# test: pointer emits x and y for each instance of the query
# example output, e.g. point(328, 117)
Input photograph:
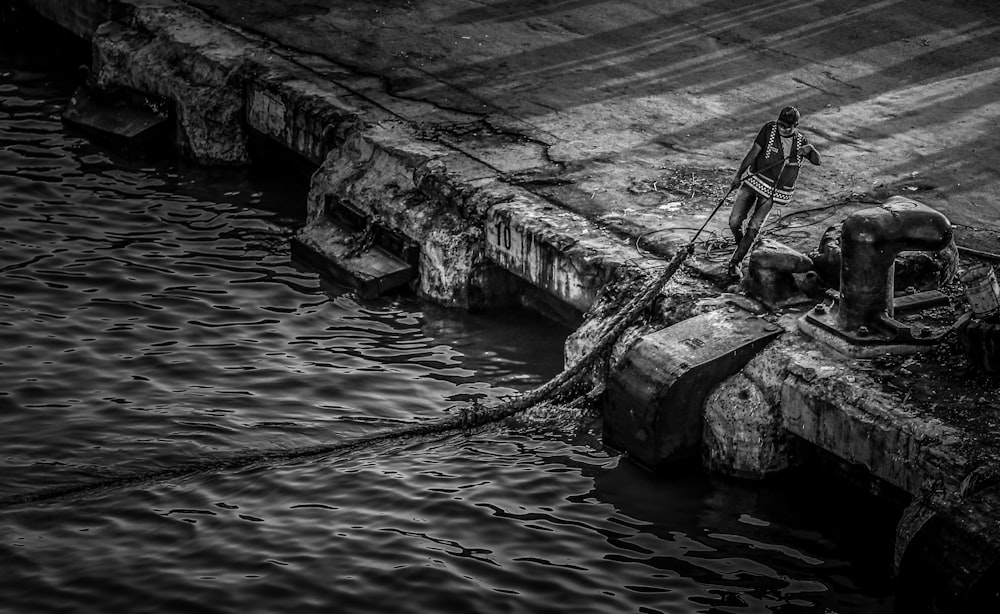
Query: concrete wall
point(223, 84)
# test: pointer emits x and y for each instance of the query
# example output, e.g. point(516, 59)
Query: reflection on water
point(151, 317)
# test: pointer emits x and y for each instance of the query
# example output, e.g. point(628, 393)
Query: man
point(773, 161)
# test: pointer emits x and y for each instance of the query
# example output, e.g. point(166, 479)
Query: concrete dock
point(551, 154)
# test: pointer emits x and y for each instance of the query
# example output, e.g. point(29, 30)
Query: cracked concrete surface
point(901, 96)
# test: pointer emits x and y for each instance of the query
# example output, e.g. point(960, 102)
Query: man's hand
point(809, 152)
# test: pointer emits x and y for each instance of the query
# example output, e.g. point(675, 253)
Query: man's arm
point(747, 161)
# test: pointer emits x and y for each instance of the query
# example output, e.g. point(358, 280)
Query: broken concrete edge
point(223, 83)
point(464, 217)
point(167, 53)
point(868, 426)
point(831, 401)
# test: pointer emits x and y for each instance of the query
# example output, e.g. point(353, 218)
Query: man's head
point(788, 120)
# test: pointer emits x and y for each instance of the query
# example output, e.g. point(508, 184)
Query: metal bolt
point(820, 309)
point(863, 331)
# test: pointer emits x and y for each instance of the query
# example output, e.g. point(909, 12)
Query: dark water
point(150, 317)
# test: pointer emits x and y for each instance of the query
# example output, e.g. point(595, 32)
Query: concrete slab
point(901, 96)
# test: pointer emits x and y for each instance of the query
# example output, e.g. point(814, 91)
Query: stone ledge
point(223, 83)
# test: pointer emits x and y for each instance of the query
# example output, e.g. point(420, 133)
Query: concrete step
point(335, 251)
point(124, 119)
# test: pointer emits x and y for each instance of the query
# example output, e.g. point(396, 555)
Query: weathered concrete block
point(189, 62)
point(381, 172)
point(828, 403)
point(555, 250)
point(306, 117)
point(771, 254)
point(653, 403)
point(744, 435)
point(772, 271)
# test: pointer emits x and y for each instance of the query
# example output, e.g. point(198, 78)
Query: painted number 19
point(503, 235)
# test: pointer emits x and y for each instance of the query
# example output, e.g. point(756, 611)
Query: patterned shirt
point(769, 159)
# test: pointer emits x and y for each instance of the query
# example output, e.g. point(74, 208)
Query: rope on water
point(560, 389)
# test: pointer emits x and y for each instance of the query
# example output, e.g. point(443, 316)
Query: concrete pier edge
point(469, 218)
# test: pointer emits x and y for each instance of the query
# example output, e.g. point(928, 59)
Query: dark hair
point(789, 115)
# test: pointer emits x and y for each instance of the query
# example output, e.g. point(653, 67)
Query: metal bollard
point(870, 241)
point(860, 321)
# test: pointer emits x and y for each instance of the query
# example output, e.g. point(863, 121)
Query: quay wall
point(486, 241)
point(224, 85)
